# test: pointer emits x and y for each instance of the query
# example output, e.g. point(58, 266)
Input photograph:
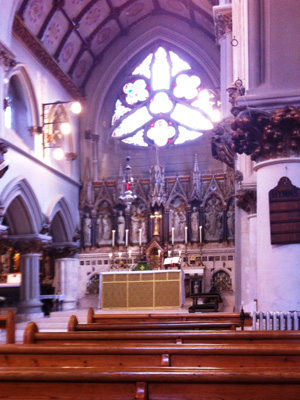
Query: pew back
point(7, 322)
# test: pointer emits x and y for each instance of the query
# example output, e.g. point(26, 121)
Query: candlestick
point(113, 238)
point(173, 235)
point(126, 237)
point(140, 236)
point(185, 234)
point(200, 233)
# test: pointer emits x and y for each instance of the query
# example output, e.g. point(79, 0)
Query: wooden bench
point(149, 383)
point(7, 322)
point(153, 355)
point(73, 325)
point(32, 335)
point(241, 319)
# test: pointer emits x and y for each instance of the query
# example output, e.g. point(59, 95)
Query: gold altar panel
point(115, 295)
point(167, 294)
point(144, 290)
point(140, 293)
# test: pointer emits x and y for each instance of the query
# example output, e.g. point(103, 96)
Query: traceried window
point(162, 102)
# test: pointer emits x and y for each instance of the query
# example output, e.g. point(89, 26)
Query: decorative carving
point(87, 231)
point(223, 25)
point(3, 163)
point(196, 179)
point(30, 246)
point(69, 251)
point(221, 144)
point(7, 58)
point(235, 90)
point(246, 200)
point(71, 156)
point(264, 136)
point(213, 219)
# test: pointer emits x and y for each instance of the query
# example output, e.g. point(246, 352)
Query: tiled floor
point(58, 320)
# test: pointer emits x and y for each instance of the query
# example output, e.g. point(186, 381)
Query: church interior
point(149, 163)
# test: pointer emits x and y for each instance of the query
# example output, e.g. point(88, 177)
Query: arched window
point(18, 112)
point(162, 103)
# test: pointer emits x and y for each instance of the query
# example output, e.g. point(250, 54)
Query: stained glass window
point(162, 102)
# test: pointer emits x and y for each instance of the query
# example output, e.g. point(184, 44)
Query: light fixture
point(56, 124)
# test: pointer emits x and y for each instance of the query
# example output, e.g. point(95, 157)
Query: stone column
point(30, 272)
point(271, 139)
point(66, 281)
point(30, 286)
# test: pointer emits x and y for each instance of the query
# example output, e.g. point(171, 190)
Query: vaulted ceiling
point(70, 37)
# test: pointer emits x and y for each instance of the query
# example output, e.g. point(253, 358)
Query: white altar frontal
point(158, 289)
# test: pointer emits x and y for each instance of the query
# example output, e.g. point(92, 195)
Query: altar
point(157, 289)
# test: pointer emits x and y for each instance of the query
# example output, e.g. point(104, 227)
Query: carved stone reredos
point(265, 136)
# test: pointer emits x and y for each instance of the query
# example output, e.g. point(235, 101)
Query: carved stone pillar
point(272, 139)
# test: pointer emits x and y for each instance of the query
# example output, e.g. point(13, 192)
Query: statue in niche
point(106, 226)
point(182, 222)
point(121, 227)
point(176, 219)
point(230, 221)
point(99, 229)
point(138, 221)
point(213, 219)
point(194, 224)
point(87, 230)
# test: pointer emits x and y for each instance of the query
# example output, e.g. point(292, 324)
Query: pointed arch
point(62, 226)
point(21, 207)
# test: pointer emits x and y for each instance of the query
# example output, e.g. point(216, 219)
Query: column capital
point(267, 135)
point(67, 251)
point(33, 244)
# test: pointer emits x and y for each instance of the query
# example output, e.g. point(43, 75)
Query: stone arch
point(62, 226)
point(21, 207)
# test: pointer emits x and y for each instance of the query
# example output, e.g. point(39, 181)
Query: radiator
point(276, 321)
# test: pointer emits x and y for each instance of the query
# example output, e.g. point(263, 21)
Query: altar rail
point(276, 321)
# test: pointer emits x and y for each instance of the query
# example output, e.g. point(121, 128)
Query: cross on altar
point(156, 217)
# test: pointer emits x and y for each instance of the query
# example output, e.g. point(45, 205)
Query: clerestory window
point(162, 102)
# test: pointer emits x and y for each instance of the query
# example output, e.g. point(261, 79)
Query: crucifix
point(156, 217)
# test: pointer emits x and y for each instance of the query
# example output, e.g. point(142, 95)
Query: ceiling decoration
point(70, 37)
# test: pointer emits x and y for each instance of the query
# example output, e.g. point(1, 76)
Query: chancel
point(174, 190)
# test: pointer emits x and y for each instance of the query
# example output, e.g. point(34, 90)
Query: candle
point(113, 238)
point(159, 251)
point(129, 253)
point(110, 255)
point(185, 234)
point(169, 253)
point(126, 237)
point(140, 236)
point(120, 255)
point(179, 253)
point(200, 233)
point(173, 235)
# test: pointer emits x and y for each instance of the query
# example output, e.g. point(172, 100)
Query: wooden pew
point(122, 383)
point(73, 325)
point(7, 322)
point(33, 336)
point(153, 355)
point(241, 319)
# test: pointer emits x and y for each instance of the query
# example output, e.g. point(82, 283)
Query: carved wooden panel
point(284, 202)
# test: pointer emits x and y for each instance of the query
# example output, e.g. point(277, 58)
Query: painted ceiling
point(70, 37)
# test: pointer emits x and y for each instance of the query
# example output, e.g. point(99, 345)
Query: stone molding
point(265, 135)
point(222, 21)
